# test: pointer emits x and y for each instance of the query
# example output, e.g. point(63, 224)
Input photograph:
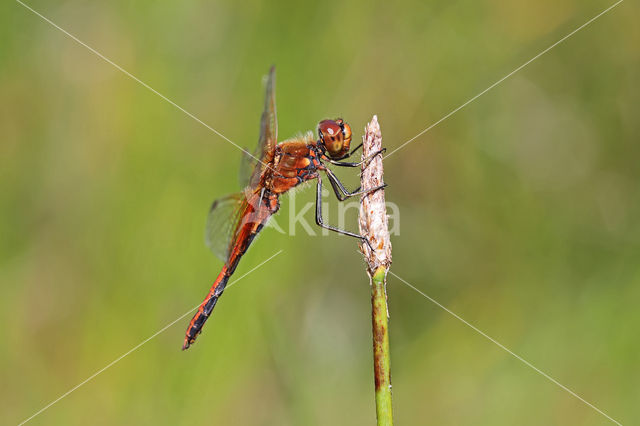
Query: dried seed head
point(373, 212)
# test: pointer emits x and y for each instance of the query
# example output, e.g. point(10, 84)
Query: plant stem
point(377, 254)
point(381, 360)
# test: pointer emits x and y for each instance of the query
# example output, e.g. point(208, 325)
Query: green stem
point(381, 360)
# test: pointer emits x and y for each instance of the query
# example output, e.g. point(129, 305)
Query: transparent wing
point(268, 130)
point(224, 215)
point(269, 121)
point(247, 166)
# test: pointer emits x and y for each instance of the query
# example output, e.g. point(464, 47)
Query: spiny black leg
point(336, 188)
point(355, 149)
point(349, 154)
point(320, 222)
point(343, 164)
point(342, 193)
point(348, 164)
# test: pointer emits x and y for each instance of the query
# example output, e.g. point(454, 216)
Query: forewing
point(268, 129)
point(247, 166)
point(222, 221)
point(269, 121)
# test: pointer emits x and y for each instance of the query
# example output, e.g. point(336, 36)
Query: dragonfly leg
point(321, 223)
point(343, 193)
point(358, 164)
point(349, 154)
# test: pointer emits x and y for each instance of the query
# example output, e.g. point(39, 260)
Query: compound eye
point(336, 136)
point(329, 131)
point(346, 131)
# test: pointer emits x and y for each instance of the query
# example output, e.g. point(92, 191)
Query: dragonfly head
point(335, 135)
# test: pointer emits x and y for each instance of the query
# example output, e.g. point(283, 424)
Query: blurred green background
point(519, 213)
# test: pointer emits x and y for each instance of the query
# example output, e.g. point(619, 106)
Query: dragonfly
point(273, 169)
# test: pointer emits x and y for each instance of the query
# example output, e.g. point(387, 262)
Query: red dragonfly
point(276, 167)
